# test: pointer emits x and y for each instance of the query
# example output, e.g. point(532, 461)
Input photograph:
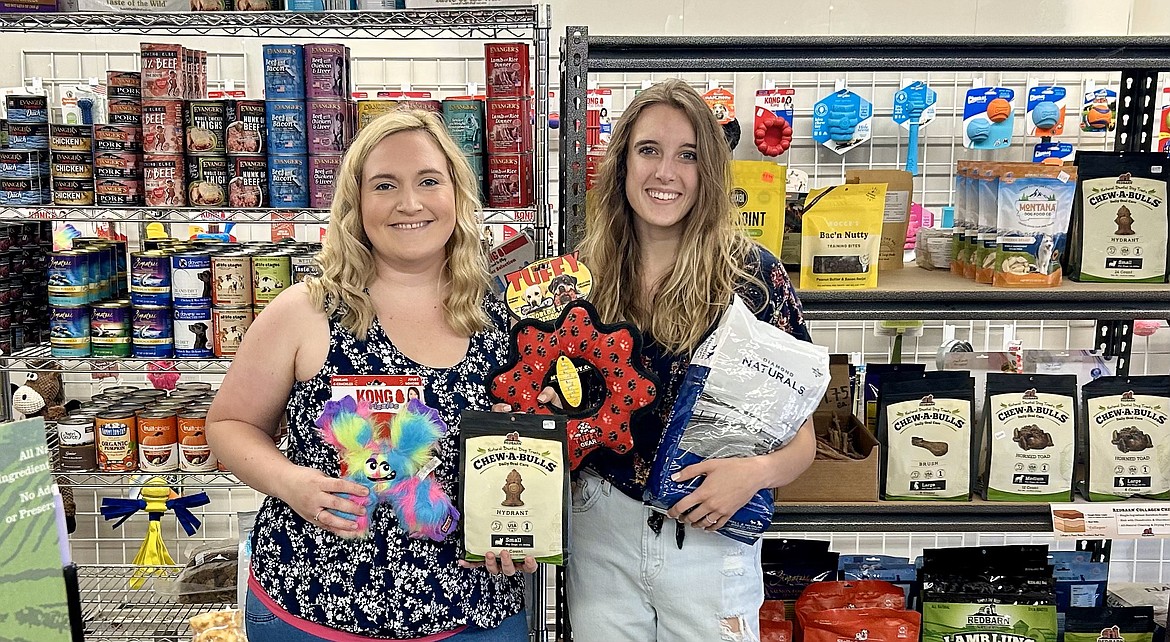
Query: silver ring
point(317, 517)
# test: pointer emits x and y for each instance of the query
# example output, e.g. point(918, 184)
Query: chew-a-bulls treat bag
point(749, 388)
point(1030, 437)
point(1127, 437)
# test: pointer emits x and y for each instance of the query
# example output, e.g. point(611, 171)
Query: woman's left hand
point(730, 483)
point(502, 563)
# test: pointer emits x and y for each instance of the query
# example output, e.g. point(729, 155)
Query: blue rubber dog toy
point(1045, 115)
point(979, 130)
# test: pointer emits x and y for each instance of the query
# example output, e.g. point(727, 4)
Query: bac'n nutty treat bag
point(841, 234)
point(1127, 437)
point(924, 426)
point(1030, 424)
point(515, 485)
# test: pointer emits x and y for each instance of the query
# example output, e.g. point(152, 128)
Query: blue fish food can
point(68, 279)
point(150, 278)
point(288, 181)
point(69, 330)
point(152, 338)
point(109, 329)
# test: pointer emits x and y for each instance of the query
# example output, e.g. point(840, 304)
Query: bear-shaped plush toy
point(43, 395)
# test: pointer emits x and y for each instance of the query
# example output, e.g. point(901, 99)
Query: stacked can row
point(23, 294)
point(509, 116)
point(24, 163)
point(309, 118)
point(127, 429)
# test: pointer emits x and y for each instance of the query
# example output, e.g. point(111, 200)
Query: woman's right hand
point(546, 396)
point(312, 494)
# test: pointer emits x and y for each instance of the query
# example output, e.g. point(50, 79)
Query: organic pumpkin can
point(194, 454)
point(115, 432)
point(158, 441)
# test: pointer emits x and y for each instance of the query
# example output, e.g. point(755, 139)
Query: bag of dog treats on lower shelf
point(925, 428)
point(514, 485)
point(1110, 624)
point(220, 626)
point(1128, 437)
point(1030, 437)
point(870, 624)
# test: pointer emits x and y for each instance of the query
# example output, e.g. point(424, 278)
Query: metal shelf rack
point(113, 612)
point(19, 361)
point(197, 214)
point(947, 517)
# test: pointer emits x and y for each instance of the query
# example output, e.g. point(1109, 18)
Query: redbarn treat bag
point(749, 388)
point(514, 485)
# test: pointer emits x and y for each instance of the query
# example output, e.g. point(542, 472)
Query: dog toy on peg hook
point(772, 126)
point(842, 120)
point(913, 110)
point(156, 497)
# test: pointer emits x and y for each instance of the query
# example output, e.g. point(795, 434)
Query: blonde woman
point(667, 256)
point(403, 290)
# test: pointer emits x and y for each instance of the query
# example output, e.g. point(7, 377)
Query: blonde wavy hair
point(688, 300)
point(346, 258)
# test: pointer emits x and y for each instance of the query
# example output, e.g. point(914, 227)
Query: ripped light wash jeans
point(625, 582)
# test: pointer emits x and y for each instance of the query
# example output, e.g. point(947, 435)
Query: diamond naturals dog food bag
point(1035, 206)
point(1120, 220)
point(514, 485)
point(841, 232)
point(1128, 440)
point(927, 438)
point(1030, 437)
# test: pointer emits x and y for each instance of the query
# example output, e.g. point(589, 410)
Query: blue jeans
point(263, 626)
point(626, 582)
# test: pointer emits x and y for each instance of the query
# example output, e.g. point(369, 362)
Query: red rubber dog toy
point(612, 350)
point(773, 134)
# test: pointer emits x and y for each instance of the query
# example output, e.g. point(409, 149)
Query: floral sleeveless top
point(389, 585)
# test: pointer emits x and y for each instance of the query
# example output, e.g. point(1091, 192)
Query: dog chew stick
point(936, 448)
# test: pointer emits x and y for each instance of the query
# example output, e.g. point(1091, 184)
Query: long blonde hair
point(346, 258)
point(688, 299)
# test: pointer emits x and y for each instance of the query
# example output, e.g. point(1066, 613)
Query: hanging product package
point(749, 388)
point(1035, 207)
point(757, 192)
point(1128, 437)
point(1120, 218)
point(514, 485)
point(841, 235)
point(1030, 437)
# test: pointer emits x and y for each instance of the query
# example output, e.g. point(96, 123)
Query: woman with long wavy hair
point(667, 255)
point(403, 291)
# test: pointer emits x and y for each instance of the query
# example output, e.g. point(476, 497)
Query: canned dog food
point(26, 109)
point(75, 165)
point(28, 135)
point(158, 441)
point(465, 122)
point(150, 279)
point(248, 186)
point(509, 126)
point(71, 138)
point(288, 181)
point(246, 127)
point(205, 122)
point(192, 329)
point(68, 278)
point(152, 338)
point(23, 164)
point(195, 455)
point(207, 181)
point(126, 119)
point(124, 84)
point(326, 71)
point(303, 267)
point(191, 279)
point(163, 74)
point(232, 276)
point(328, 127)
point(230, 324)
point(109, 329)
point(163, 180)
point(506, 64)
point(115, 433)
point(25, 192)
point(369, 110)
point(75, 435)
point(118, 164)
point(270, 276)
point(69, 330)
point(322, 179)
point(73, 191)
point(162, 127)
point(284, 72)
point(509, 182)
point(125, 110)
point(118, 191)
point(117, 138)
point(287, 128)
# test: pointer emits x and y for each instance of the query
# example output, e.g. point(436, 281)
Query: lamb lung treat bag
point(1128, 440)
point(927, 437)
point(515, 484)
point(748, 389)
point(1030, 437)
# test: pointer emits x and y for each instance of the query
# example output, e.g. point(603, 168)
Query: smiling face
point(408, 201)
point(662, 170)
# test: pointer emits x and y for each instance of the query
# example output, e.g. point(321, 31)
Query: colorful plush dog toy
point(395, 467)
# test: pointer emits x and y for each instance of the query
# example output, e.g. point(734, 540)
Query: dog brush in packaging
point(772, 127)
point(1046, 111)
point(842, 120)
point(987, 118)
point(914, 109)
point(1097, 112)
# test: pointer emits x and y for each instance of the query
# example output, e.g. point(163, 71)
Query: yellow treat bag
point(841, 237)
point(757, 192)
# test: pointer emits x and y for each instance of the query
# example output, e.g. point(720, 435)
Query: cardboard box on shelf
point(831, 480)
